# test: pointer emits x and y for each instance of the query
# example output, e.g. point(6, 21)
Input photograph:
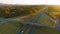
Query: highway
point(58, 24)
point(31, 31)
point(21, 31)
point(33, 21)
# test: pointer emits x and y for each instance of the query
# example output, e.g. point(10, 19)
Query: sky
point(20, 1)
point(30, 1)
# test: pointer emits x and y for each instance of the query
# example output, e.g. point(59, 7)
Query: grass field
point(10, 28)
point(46, 30)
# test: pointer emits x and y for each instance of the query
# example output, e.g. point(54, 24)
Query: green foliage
point(19, 10)
point(25, 12)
